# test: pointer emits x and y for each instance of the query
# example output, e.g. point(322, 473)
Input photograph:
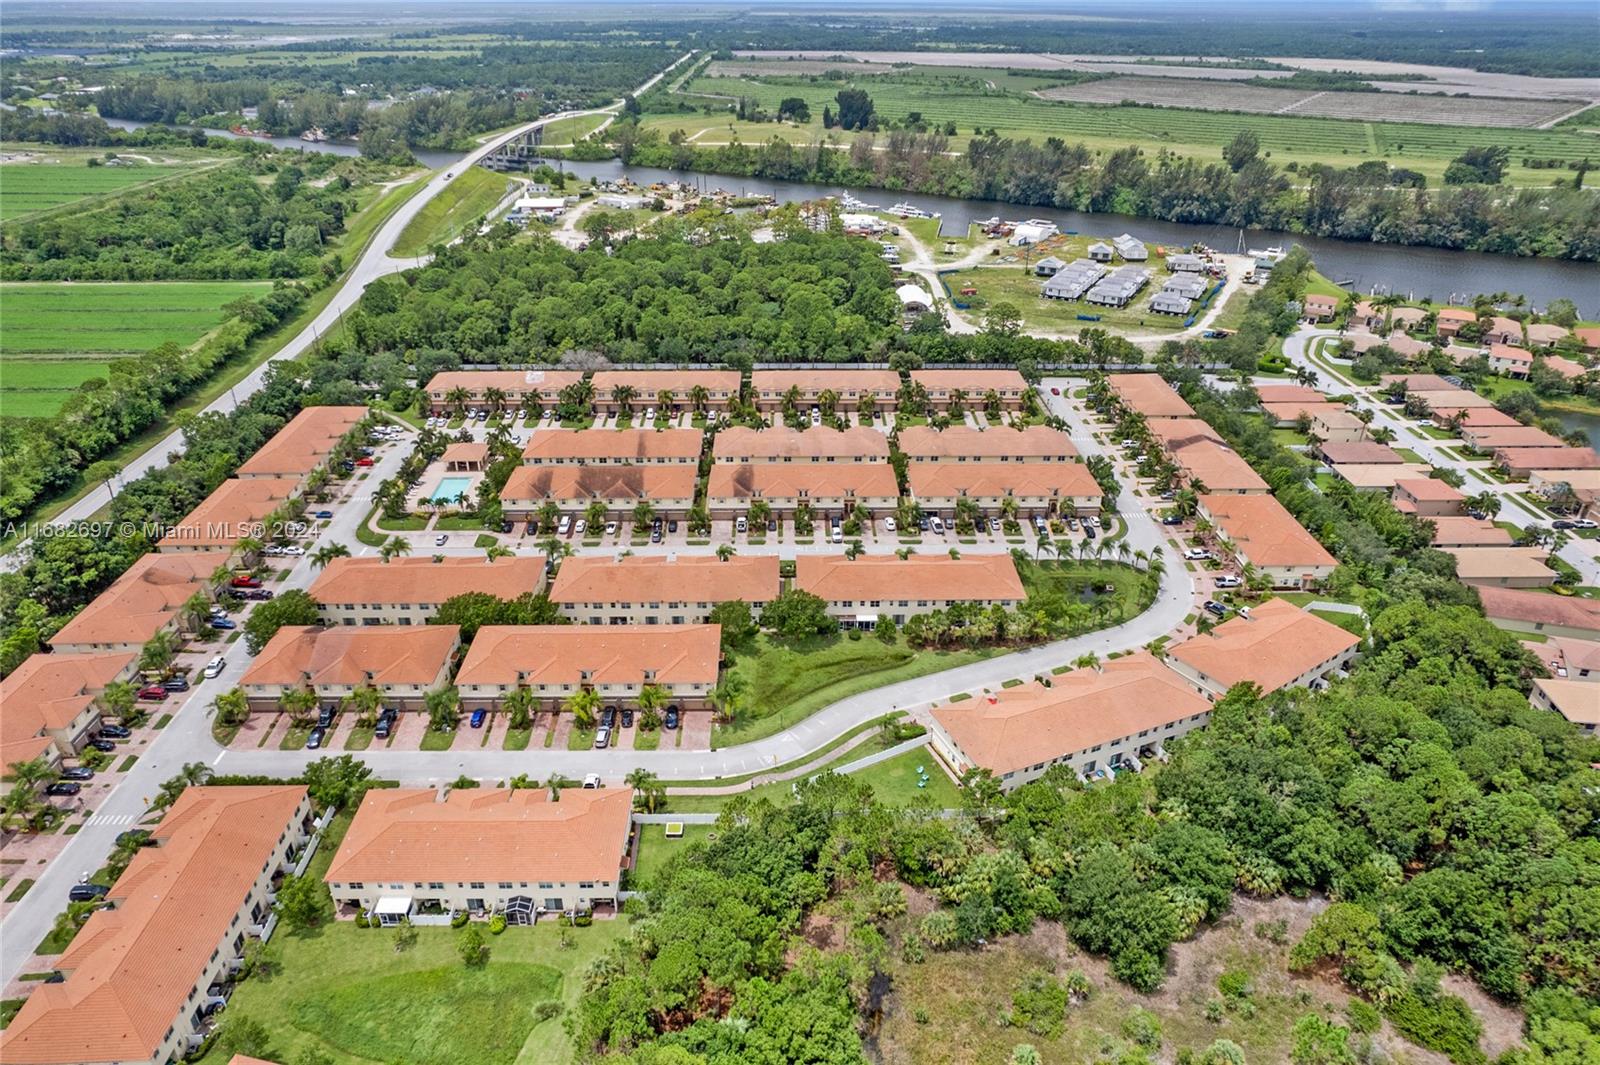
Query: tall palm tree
point(584, 704)
point(495, 551)
point(697, 398)
point(158, 651)
point(652, 700)
point(327, 553)
point(643, 513)
point(623, 396)
point(298, 704)
point(121, 700)
point(394, 547)
point(594, 514)
point(729, 696)
point(457, 398)
point(364, 702)
point(518, 705)
point(648, 794)
point(665, 400)
point(725, 552)
point(495, 399)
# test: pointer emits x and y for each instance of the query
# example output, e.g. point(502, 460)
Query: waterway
point(1443, 275)
point(1588, 423)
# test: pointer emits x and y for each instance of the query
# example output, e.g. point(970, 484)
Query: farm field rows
point(971, 105)
point(56, 336)
point(52, 177)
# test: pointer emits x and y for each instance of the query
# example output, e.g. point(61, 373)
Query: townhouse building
point(615, 661)
point(517, 387)
point(403, 663)
point(862, 591)
point(660, 589)
point(52, 703)
point(1277, 646)
point(409, 591)
point(148, 598)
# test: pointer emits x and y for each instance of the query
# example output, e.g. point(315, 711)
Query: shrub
point(549, 1009)
point(362, 922)
point(1362, 1016)
point(497, 924)
point(458, 920)
point(583, 920)
point(1446, 1024)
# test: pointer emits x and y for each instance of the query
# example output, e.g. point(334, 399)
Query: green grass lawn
point(1012, 284)
point(655, 848)
point(462, 203)
point(788, 680)
point(345, 992)
point(55, 177)
point(581, 739)
point(1352, 623)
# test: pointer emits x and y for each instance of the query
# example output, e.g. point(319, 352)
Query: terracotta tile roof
point(649, 383)
point(1289, 394)
point(1589, 336)
point(1468, 532)
point(130, 970)
point(511, 382)
point(374, 655)
point(1361, 451)
point(1288, 412)
point(1456, 314)
point(1576, 700)
point(1515, 604)
point(844, 382)
point(1513, 436)
point(921, 442)
point(576, 484)
point(816, 444)
point(1490, 563)
point(1276, 645)
point(1016, 728)
point(614, 445)
point(240, 1059)
point(1264, 532)
point(1574, 654)
point(1511, 354)
point(1484, 416)
point(975, 383)
point(920, 577)
point(781, 480)
point(302, 445)
point(1337, 419)
point(1501, 324)
point(1417, 382)
point(422, 580)
point(1179, 432)
point(234, 511)
point(1547, 458)
point(1382, 474)
point(657, 578)
point(1150, 395)
point(49, 692)
point(142, 600)
point(1565, 367)
point(598, 654)
point(1429, 490)
point(1545, 333)
point(465, 452)
point(1319, 304)
point(982, 480)
point(1217, 467)
point(406, 835)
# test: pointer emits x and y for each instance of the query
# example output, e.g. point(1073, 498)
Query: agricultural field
point(966, 98)
point(35, 179)
point(1361, 106)
point(56, 336)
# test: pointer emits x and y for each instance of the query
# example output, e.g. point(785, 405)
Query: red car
point(245, 582)
point(363, 462)
point(153, 693)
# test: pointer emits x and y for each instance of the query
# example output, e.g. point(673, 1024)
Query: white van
point(592, 780)
point(215, 666)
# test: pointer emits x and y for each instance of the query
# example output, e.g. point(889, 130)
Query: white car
point(291, 549)
point(215, 666)
point(1585, 523)
point(838, 534)
point(888, 525)
point(740, 524)
point(1195, 554)
point(1228, 581)
point(580, 527)
point(938, 525)
point(611, 527)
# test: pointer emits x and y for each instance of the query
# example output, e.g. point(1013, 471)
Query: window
point(476, 885)
point(504, 885)
point(356, 885)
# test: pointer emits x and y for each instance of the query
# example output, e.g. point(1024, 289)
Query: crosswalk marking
point(112, 819)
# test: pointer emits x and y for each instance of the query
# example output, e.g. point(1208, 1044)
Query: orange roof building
point(669, 489)
point(408, 591)
point(1217, 468)
point(1089, 720)
point(145, 600)
point(1266, 536)
point(861, 591)
point(516, 385)
point(817, 444)
point(51, 703)
point(1038, 488)
point(137, 973)
point(1277, 646)
point(1289, 394)
point(1521, 461)
point(1462, 531)
point(785, 486)
point(1285, 414)
point(617, 661)
point(515, 852)
point(303, 444)
point(963, 443)
point(237, 510)
point(850, 386)
point(1150, 395)
point(1361, 452)
point(600, 447)
point(1427, 497)
point(721, 386)
point(404, 662)
point(976, 385)
point(660, 590)
point(1173, 433)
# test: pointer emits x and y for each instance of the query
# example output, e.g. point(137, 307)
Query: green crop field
point(47, 177)
point(971, 104)
point(53, 337)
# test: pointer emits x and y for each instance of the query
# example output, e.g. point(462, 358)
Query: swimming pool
point(449, 488)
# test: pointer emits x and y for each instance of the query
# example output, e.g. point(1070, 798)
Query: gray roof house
point(1101, 252)
point(1168, 303)
point(1073, 280)
point(1131, 248)
point(1047, 266)
point(1185, 263)
point(1117, 288)
point(1185, 286)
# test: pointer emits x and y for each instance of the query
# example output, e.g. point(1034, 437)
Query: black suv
point(63, 787)
point(86, 892)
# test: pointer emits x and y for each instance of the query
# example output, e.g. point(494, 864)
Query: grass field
point(568, 130)
point(971, 104)
point(45, 178)
point(56, 336)
point(463, 202)
point(894, 780)
point(1012, 284)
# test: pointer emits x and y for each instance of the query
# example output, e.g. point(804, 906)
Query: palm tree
point(249, 548)
point(643, 513)
point(195, 610)
point(648, 794)
point(1382, 434)
point(827, 402)
point(652, 698)
point(557, 784)
point(364, 702)
point(549, 516)
point(495, 551)
point(192, 775)
point(298, 704)
point(729, 696)
point(327, 553)
point(697, 398)
point(665, 400)
point(495, 399)
point(868, 405)
point(393, 547)
point(623, 396)
point(760, 513)
point(518, 705)
point(725, 552)
point(231, 707)
point(594, 515)
point(1485, 502)
point(584, 704)
point(120, 698)
point(457, 398)
point(159, 651)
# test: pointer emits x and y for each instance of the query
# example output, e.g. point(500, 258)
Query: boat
point(246, 131)
point(314, 135)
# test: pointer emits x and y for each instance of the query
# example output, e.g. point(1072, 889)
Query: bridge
point(518, 153)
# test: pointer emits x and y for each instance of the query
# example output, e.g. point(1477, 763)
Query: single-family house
point(1502, 567)
point(1426, 497)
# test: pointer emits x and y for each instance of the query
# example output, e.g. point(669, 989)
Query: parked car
point(478, 716)
point(116, 732)
point(611, 528)
point(1088, 531)
point(1196, 554)
point(1585, 523)
point(1216, 608)
point(257, 595)
point(772, 525)
point(564, 524)
point(1172, 519)
point(888, 524)
point(672, 526)
point(363, 461)
point(1228, 580)
point(440, 540)
point(627, 718)
point(63, 787)
point(602, 739)
point(591, 780)
point(923, 523)
point(938, 525)
point(176, 684)
point(325, 716)
point(322, 514)
point(581, 527)
point(1563, 524)
point(671, 720)
point(77, 772)
point(86, 892)
point(215, 666)
point(314, 741)
point(740, 524)
point(223, 623)
point(102, 745)
point(245, 582)
point(838, 534)
point(153, 693)
point(994, 524)
point(385, 725)
point(655, 536)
